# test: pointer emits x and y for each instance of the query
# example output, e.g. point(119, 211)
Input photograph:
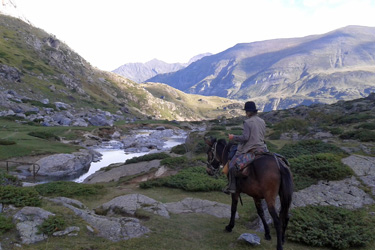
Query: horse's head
point(213, 165)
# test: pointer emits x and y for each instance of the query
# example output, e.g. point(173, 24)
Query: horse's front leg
point(233, 211)
point(260, 211)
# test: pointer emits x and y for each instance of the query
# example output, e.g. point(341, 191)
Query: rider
point(249, 143)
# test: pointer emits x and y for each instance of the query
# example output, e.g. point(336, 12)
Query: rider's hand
point(230, 136)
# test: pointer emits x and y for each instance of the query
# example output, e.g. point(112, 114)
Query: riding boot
point(231, 187)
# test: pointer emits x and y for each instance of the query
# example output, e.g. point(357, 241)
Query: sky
point(111, 33)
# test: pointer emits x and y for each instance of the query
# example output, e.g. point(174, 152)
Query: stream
point(110, 155)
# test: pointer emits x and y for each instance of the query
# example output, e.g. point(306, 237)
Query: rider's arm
point(245, 134)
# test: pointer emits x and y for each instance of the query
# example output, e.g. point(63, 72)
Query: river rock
point(119, 170)
point(27, 221)
point(65, 165)
point(129, 204)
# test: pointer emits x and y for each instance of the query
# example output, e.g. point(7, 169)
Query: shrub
point(192, 179)
point(7, 142)
point(51, 225)
point(369, 126)
point(308, 169)
point(336, 131)
point(44, 135)
point(291, 124)
point(217, 127)
point(308, 147)
point(329, 226)
point(175, 162)
point(5, 224)
point(353, 118)
point(362, 135)
point(19, 196)
point(179, 149)
point(69, 189)
point(275, 135)
point(201, 147)
point(148, 157)
point(7, 179)
point(271, 147)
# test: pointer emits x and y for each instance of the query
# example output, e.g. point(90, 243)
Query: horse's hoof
point(228, 229)
point(267, 237)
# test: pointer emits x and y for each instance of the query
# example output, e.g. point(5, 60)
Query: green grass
point(25, 144)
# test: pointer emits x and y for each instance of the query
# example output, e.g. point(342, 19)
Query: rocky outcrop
point(66, 166)
point(27, 221)
point(118, 170)
point(129, 204)
point(346, 193)
point(9, 73)
point(111, 228)
point(52, 114)
point(193, 205)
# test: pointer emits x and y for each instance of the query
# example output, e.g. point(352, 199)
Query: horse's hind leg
point(260, 211)
point(277, 224)
point(233, 211)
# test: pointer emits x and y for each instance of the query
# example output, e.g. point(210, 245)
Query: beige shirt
point(253, 134)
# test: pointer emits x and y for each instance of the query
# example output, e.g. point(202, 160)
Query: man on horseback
point(250, 143)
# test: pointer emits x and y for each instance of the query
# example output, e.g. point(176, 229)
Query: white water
point(110, 156)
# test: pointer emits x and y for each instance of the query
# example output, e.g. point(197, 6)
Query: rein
point(216, 171)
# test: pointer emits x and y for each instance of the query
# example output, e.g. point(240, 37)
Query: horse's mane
point(222, 142)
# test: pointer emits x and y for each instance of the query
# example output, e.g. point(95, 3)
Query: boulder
point(111, 228)
point(193, 205)
point(27, 221)
point(129, 204)
point(345, 193)
point(65, 165)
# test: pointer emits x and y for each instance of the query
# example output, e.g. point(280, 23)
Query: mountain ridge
point(283, 73)
point(139, 72)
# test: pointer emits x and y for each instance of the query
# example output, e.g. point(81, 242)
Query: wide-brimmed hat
point(250, 106)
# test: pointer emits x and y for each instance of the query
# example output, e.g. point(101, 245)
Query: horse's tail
point(285, 193)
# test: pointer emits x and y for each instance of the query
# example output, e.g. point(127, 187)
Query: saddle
point(281, 160)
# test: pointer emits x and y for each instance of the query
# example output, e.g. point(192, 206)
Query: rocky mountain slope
point(139, 72)
point(284, 73)
point(38, 70)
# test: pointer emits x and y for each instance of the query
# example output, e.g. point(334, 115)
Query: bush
point(7, 142)
point(217, 127)
point(19, 196)
point(5, 224)
point(192, 179)
point(44, 135)
point(179, 149)
point(309, 169)
point(362, 135)
point(7, 179)
point(69, 189)
point(369, 126)
point(51, 224)
point(353, 118)
point(291, 124)
point(308, 147)
point(180, 162)
point(330, 226)
point(336, 131)
point(148, 157)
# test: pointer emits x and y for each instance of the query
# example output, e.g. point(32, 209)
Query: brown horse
point(266, 179)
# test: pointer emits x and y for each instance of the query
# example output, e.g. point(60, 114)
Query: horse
point(267, 178)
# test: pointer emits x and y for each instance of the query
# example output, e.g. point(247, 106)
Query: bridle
point(214, 163)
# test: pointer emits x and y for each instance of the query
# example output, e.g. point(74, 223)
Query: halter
point(215, 171)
